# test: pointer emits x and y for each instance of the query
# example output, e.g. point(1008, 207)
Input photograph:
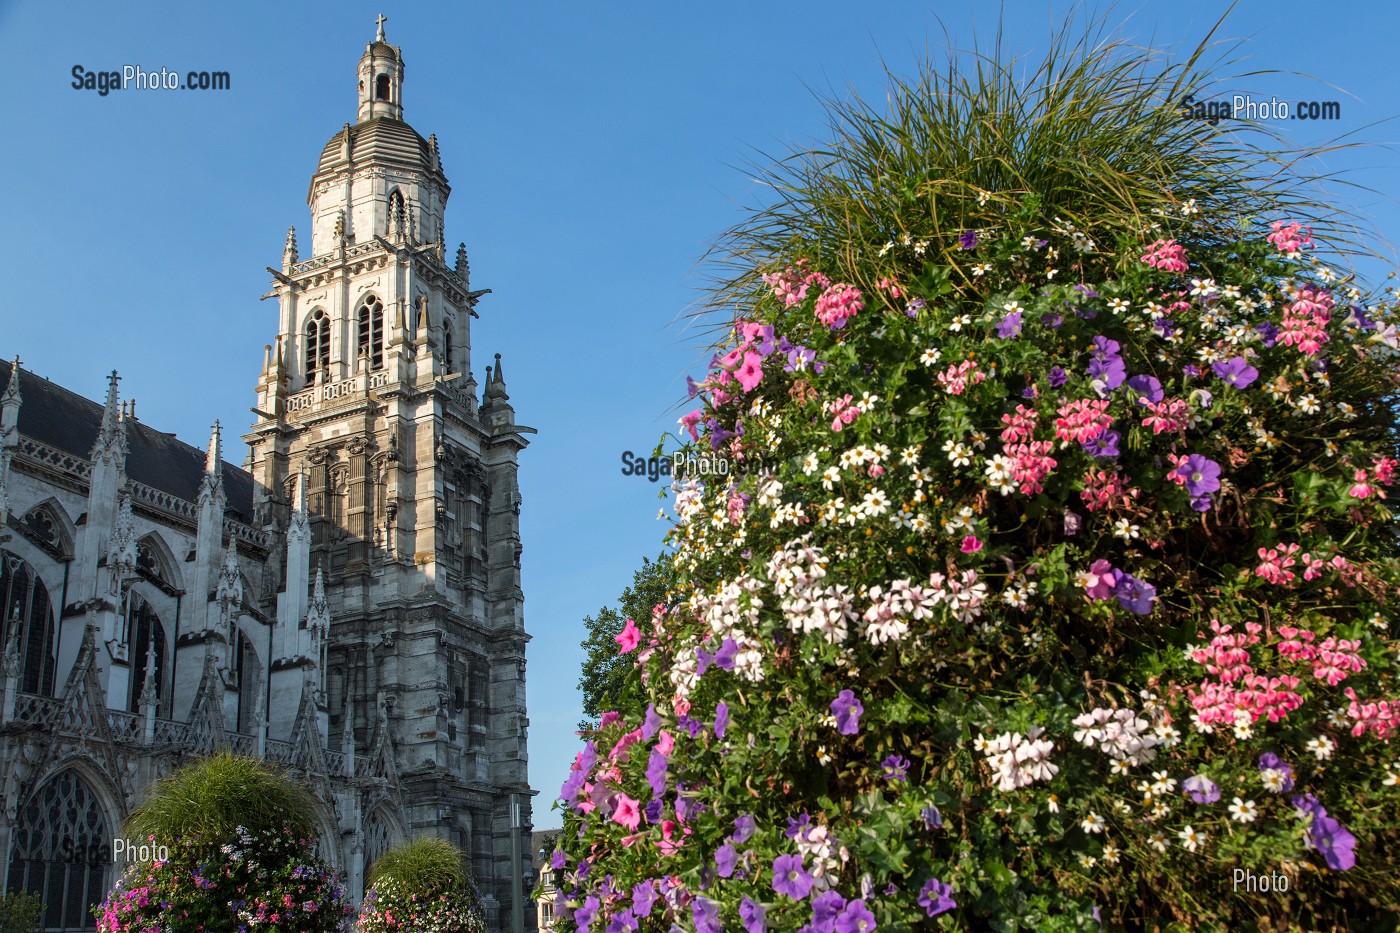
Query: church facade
point(347, 604)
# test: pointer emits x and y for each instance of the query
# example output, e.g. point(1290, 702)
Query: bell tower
point(384, 473)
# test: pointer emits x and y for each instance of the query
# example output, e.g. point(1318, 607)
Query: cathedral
point(347, 604)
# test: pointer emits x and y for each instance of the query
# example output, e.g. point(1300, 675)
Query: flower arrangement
point(263, 880)
point(422, 886)
point(1064, 587)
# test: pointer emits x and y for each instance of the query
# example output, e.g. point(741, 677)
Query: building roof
point(382, 140)
point(53, 415)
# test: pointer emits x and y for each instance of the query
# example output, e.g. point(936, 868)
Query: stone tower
point(387, 476)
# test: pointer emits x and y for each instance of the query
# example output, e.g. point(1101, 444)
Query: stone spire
point(289, 251)
point(12, 396)
point(111, 437)
point(9, 438)
point(213, 484)
point(121, 552)
point(464, 268)
point(229, 595)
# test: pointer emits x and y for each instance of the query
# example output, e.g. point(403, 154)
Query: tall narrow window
point(24, 602)
point(318, 348)
point(381, 87)
point(447, 345)
point(372, 332)
point(145, 628)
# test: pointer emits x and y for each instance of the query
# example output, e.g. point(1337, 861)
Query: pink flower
point(1166, 254)
point(1100, 580)
point(690, 421)
point(1287, 236)
point(627, 813)
point(1082, 420)
point(1274, 564)
point(750, 372)
point(970, 545)
point(838, 304)
point(629, 637)
point(844, 411)
point(1361, 489)
point(665, 743)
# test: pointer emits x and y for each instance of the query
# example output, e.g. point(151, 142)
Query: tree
point(1063, 593)
point(21, 912)
point(606, 674)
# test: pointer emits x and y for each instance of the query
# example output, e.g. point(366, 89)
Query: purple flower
point(583, 917)
point(743, 829)
point(968, 240)
point(691, 387)
point(1202, 475)
point(1236, 372)
point(1009, 326)
point(1201, 789)
point(1105, 349)
point(847, 710)
point(706, 913)
point(826, 906)
point(1164, 328)
point(1134, 595)
point(721, 719)
point(896, 768)
point(856, 918)
point(651, 724)
point(656, 773)
point(914, 307)
point(725, 860)
point(1105, 445)
point(797, 827)
point(1052, 320)
point(1358, 318)
point(724, 657)
point(1058, 377)
point(652, 811)
point(1148, 388)
point(1271, 762)
point(936, 897)
point(752, 915)
point(1111, 371)
point(558, 860)
point(622, 922)
point(790, 878)
point(1269, 332)
point(931, 817)
point(1334, 842)
point(569, 791)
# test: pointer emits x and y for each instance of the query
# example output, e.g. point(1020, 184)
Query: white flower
point(867, 401)
point(1190, 839)
point(1158, 842)
point(1012, 307)
point(909, 455)
point(1308, 405)
point(1093, 823)
point(959, 453)
point(875, 503)
point(1322, 747)
point(809, 463)
point(931, 356)
point(1392, 776)
point(920, 247)
point(829, 477)
point(1125, 529)
point(1243, 811)
point(960, 321)
point(1118, 305)
point(1189, 208)
point(1203, 286)
point(981, 268)
point(1110, 854)
point(889, 245)
point(1161, 784)
point(1029, 242)
point(1274, 780)
point(1053, 803)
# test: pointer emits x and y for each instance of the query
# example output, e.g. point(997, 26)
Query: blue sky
point(594, 151)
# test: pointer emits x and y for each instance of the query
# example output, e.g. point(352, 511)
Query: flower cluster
point(978, 521)
point(390, 906)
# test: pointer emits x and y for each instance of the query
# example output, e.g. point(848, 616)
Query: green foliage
point(606, 675)
point(213, 797)
point(428, 864)
point(21, 912)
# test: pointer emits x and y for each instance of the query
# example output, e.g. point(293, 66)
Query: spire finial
point(380, 20)
point(499, 377)
point(214, 459)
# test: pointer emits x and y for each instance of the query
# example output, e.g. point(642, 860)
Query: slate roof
point(381, 140)
point(53, 415)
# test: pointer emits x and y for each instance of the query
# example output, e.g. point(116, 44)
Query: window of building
point(318, 348)
point(25, 605)
point(381, 87)
point(62, 850)
point(371, 320)
point(144, 625)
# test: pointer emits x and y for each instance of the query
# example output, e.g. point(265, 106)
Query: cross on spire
point(380, 20)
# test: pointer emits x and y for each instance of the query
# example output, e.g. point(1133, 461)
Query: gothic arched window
point(318, 348)
point(371, 318)
point(447, 345)
point(61, 851)
point(24, 602)
point(144, 625)
point(381, 87)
